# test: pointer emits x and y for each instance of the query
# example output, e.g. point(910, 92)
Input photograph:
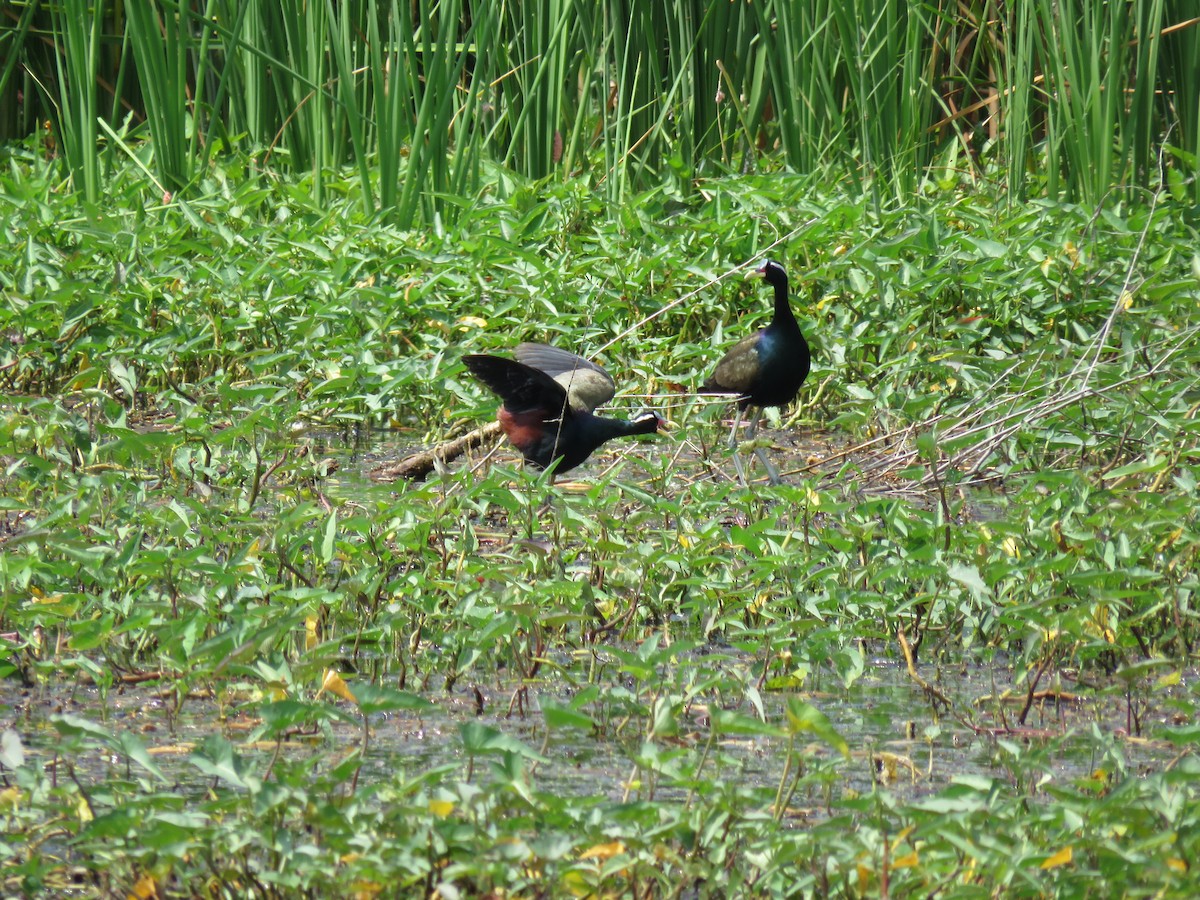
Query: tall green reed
point(77, 25)
point(1059, 97)
point(162, 42)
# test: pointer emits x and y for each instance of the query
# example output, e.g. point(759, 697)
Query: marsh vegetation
point(952, 654)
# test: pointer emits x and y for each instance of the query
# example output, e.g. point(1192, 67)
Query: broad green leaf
point(733, 722)
point(968, 576)
point(376, 698)
point(131, 745)
point(557, 716)
point(478, 738)
point(804, 718)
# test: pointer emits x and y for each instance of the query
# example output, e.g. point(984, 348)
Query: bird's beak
point(665, 425)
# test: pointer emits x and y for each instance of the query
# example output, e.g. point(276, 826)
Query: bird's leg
point(753, 428)
point(737, 420)
point(737, 464)
point(772, 472)
point(733, 446)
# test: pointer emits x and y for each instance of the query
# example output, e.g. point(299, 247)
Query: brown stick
point(930, 691)
point(419, 465)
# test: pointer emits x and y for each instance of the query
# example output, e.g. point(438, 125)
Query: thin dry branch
point(991, 432)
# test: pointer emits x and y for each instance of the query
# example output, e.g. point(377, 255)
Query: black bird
point(764, 369)
point(549, 395)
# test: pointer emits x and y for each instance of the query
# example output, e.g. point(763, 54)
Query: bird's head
point(773, 272)
point(650, 422)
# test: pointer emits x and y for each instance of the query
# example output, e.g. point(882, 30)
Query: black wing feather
point(522, 388)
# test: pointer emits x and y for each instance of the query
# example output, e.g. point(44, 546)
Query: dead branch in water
point(418, 465)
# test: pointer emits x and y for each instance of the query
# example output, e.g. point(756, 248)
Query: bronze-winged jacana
point(549, 395)
point(764, 369)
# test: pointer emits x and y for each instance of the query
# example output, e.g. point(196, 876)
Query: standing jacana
point(549, 395)
point(765, 368)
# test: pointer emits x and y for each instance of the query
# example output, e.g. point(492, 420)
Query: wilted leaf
point(12, 751)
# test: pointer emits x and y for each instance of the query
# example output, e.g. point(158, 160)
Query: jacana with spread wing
point(549, 396)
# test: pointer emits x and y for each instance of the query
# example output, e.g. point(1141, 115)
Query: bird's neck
point(783, 309)
point(606, 429)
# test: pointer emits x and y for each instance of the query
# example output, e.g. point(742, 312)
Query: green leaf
point(216, 759)
point(377, 698)
point(557, 716)
point(328, 544)
point(1182, 736)
point(804, 718)
point(733, 722)
point(478, 738)
point(132, 746)
point(968, 576)
point(74, 726)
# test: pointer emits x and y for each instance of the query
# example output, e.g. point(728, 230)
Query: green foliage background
point(268, 234)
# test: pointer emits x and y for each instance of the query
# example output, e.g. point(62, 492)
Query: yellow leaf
point(311, 637)
point(603, 851)
point(1175, 864)
point(80, 382)
point(1061, 858)
point(146, 888)
point(40, 596)
point(1169, 540)
point(441, 808)
point(335, 684)
point(83, 810)
point(472, 321)
point(1009, 546)
point(10, 798)
point(908, 861)
point(1126, 300)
